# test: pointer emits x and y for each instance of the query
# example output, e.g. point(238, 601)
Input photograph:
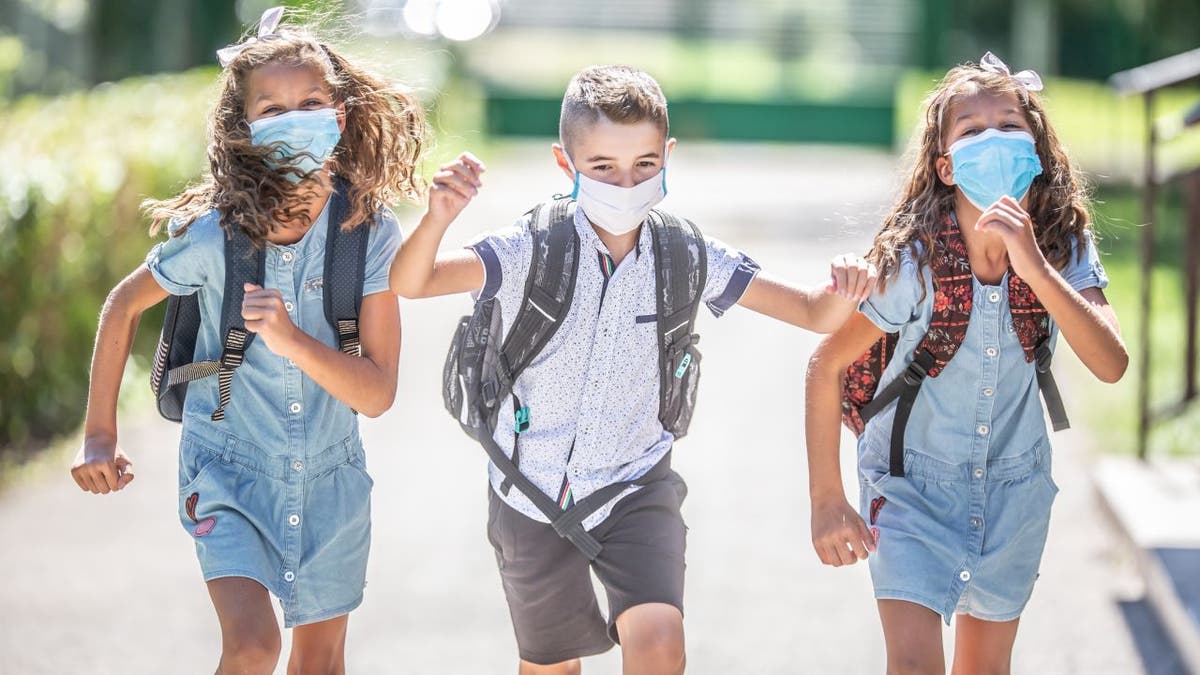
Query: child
point(588, 412)
point(958, 499)
point(276, 493)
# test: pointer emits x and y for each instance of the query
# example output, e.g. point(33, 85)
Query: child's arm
point(839, 534)
point(821, 310)
point(100, 466)
point(1085, 318)
point(418, 271)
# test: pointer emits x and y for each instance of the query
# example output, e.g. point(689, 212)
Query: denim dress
point(278, 491)
point(963, 531)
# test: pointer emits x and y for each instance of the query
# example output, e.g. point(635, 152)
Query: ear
point(945, 170)
point(560, 158)
point(670, 149)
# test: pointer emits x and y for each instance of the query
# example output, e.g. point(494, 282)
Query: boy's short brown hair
point(622, 94)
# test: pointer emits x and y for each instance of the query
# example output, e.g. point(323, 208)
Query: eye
point(647, 164)
point(1012, 125)
point(313, 102)
point(602, 167)
point(970, 131)
point(272, 110)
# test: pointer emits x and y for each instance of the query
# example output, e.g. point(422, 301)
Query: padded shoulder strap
point(345, 269)
point(681, 265)
point(549, 288)
point(953, 295)
point(244, 263)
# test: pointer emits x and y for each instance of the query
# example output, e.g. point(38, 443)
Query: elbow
point(381, 403)
point(408, 291)
point(118, 305)
point(1116, 371)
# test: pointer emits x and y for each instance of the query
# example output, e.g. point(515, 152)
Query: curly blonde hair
point(1058, 198)
point(378, 153)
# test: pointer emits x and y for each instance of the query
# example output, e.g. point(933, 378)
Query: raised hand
point(1012, 224)
point(265, 314)
point(851, 277)
point(454, 186)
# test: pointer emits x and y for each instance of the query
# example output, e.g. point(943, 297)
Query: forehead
point(606, 138)
point(982, 102)
point(277, 79)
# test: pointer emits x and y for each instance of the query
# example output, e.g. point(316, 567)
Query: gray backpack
point(174, 359)
point(480, 368)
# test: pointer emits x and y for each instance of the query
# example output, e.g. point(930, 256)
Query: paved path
point(111, 585)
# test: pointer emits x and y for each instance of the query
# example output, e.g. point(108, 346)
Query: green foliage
point(70, 229)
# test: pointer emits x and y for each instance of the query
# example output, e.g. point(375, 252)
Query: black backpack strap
point(345, 269)
point(1049, 388)
point(244, 263)
point(903, 389)
point(681, 270)
point(549, 288)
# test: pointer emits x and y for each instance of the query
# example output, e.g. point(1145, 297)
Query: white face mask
point(615, 209)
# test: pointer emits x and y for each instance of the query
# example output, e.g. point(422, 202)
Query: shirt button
point(287, 256)
point(295, 407)
point(988, 391)
point(964, 575)
point(976, 523)
point(994, 296)
point(979, 473)
point(290, 576)
point(297, 465)
point(990, 351)
point(983, 430)
point(291, 362)
point(289, 306)
point(293, 520)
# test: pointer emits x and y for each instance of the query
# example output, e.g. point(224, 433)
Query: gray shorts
point(554, 609)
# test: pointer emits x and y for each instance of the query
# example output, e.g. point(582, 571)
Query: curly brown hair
point(1058, 198)
point(378, 153)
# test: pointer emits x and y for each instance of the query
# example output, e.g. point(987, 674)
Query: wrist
point(434, 221)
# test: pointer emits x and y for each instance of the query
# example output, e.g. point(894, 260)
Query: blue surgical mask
point(304, 139)
point(995, 163)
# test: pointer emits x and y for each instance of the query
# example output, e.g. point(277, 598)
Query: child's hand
point(851, 277)
point(454, 185)
point(1012, 224)
point(265, 314)
point(101, 467)
point(839, 534)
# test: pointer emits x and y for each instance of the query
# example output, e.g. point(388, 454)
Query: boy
point(591, 397)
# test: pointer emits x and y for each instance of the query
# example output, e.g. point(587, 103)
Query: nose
point(628, 179)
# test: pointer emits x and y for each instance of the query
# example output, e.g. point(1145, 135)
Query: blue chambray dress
point(278, 491)
point(964, 530)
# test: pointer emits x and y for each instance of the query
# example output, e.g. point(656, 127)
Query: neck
point(618, 245)
point(312, 198)
point(986, 251)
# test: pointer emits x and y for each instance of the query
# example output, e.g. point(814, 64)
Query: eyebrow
point(268, 94)
point(602, 158)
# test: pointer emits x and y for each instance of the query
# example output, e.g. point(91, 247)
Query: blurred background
point(793, 118)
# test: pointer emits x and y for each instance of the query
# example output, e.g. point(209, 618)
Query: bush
point(70, 229)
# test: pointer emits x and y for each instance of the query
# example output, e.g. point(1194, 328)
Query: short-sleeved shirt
point(273, 404)
point(593, 392)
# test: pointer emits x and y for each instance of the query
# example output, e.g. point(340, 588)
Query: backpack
point(480, 369)
point(953, 297)
point(174, 359)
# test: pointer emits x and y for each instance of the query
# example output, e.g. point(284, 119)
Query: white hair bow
point(267, 24)
point(1028, 79)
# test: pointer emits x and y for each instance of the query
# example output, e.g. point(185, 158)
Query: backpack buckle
point(915, 373)
point(232, 358)
point(521, 423)
point(489, 391)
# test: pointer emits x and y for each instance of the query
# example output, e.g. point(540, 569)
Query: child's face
point(972, 115)
point(617, 154)
point(277, 88)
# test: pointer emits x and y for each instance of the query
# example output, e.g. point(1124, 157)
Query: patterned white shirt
point(593, 392)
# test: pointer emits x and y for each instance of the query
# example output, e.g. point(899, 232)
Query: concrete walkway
point(111, 585)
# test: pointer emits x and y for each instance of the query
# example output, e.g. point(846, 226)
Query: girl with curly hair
point(273, 487)
point(989, 250)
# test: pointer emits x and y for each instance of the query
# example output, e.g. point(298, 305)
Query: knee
point(657, 650)
point(250, 654)
point(316, 662)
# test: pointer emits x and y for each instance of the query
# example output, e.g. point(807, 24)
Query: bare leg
point(651, 640)
point(319, 648)
point(983, 647)
point(572, 667)
point(249, 630)
point(913, 635)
